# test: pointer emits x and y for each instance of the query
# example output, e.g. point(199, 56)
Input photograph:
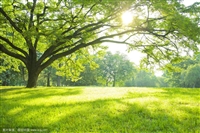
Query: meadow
point(99, 110)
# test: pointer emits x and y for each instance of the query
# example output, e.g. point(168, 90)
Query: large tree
point(59, 28)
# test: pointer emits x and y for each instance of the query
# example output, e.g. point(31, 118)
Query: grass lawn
point(96, 109)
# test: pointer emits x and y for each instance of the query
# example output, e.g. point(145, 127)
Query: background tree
point(192, 76)
point(115, 69)
point(59, 28)
point(144, 78)
point(173, 72)
point(87, 78)
point(46, 76)
point(180, 74)
point(9, 71)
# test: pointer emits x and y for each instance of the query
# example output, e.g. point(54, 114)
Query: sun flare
point(127, 17)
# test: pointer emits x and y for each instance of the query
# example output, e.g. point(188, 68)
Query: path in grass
point(95, 109)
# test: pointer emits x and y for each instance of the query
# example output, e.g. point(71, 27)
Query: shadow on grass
point(14, 113)
point(19, 93)
point(99, 116)
point(117, 116)
point(102, 115)
point(6, 89)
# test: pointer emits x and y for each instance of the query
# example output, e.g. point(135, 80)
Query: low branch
point(12, 54)
point(96, 41)
point(13, 46)
point(46, 54)
point(55, 57)
point(74, 49)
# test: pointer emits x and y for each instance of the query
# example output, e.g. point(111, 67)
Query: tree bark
point(32, 78)
point(33, 69)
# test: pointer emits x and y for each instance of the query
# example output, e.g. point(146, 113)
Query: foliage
point(183, 73)
point(162, 82)
point(93, 109)
point(145, 79)
point(104, 71)
point(39, 33)
point(114, 69)
point(9, 71)
point(71, 67)
point(6, 63)
point(192, 76)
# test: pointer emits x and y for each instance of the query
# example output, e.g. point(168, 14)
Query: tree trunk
point(48, 79)
point(32, 78)
point(114, 80)
point(33, 69)
point(58, 77)
point(23, 76)
point(58, 80)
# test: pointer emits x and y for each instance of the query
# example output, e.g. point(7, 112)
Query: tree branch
point(44, 11)
point(160, 35)
point(54, 57)
point(82, 45)
point(82, 6)
point(90, 9)
point(46, 54)
point(31, 14)
point(13, 24)
point(13, 46)
point(12, 54)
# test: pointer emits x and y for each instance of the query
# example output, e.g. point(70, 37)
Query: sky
point(136, 56)
point(190, 2)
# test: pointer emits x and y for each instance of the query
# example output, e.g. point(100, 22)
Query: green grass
point(96, 109)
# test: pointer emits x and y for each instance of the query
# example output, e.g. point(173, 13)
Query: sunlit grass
point(96, 109)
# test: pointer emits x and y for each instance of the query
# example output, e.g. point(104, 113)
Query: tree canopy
point(39, 32)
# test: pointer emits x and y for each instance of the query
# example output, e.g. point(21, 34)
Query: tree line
point(107, 70)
